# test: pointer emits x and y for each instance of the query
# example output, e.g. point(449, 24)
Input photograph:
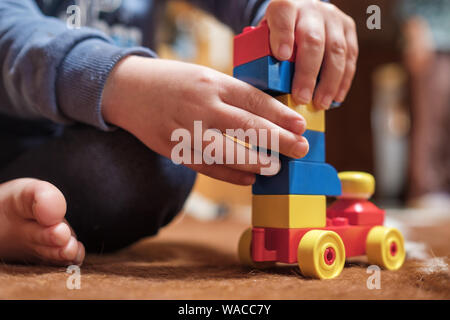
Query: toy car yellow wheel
point(385, 247)
point(321, 254)
point(245, 252)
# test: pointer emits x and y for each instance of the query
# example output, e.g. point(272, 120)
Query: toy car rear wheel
point(385, 247)
point(321, 254)
point(245, 252)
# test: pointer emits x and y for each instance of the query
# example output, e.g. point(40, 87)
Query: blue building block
point(316, 140)
point(316, 153)
point(300, 177)
point(267, 74)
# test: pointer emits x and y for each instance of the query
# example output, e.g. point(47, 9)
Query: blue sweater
point(51, 73)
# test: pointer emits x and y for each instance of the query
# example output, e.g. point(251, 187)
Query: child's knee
point(132, 191)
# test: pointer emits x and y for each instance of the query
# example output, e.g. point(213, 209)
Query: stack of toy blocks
point(296, 196)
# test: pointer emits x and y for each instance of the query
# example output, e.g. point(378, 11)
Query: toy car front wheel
point(321, 254)
point(385, 247)
point(245, 252)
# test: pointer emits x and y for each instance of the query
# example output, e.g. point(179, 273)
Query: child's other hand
point(322, 32)
point(151, 98)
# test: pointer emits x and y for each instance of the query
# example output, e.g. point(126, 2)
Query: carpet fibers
point(197, 260)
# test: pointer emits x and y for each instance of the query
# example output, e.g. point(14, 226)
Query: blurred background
point(395, 123)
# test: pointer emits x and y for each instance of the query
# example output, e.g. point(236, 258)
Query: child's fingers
point(224, 173)
point(333, 66)
point(290, 144)
point(215, 149)
point(352, 57)
point(244, 96)
point(236, 155)
point(310, 35)
point(281, 17)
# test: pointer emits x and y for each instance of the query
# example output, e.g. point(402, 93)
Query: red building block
point(252, 44)
point(357, 211)
point(279, 244)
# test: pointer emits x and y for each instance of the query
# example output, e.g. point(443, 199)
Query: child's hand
point(152, 97)
point(322, 32)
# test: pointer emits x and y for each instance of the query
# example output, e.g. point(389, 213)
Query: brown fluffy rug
point(197, 260)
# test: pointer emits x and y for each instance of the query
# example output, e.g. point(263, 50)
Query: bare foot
point(32, 225)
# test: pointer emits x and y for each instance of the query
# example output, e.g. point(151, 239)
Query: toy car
point(354, 227)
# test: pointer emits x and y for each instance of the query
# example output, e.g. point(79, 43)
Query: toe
point(36, 200)
point(67, 253)
point(49, 205)
point(57, 235)
point(70, 251)
point(80, 255)
point(71, 229)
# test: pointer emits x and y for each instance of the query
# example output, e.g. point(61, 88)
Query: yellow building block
point(357, 185)
point(288, 211)
point(315, 119)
